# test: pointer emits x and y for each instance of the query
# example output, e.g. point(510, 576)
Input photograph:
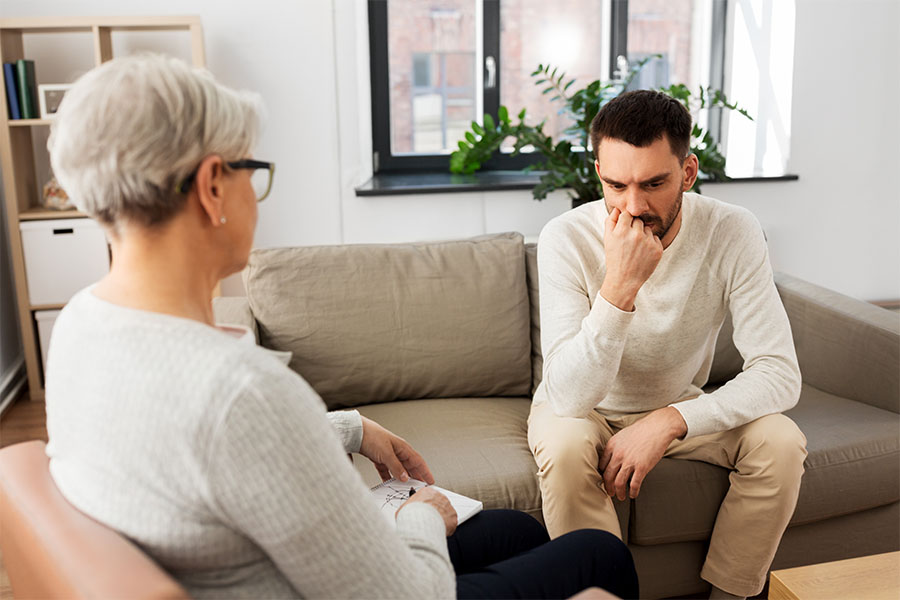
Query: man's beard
point(659, 226)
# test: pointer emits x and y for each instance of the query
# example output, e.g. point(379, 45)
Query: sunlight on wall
point(762, 68)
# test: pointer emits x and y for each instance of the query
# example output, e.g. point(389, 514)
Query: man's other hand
point(632, 253)
point(634, 451)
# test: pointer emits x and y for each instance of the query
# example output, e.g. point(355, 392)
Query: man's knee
point(563, 442)
point(778, 440)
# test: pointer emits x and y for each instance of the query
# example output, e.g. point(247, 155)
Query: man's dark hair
point(640, 118)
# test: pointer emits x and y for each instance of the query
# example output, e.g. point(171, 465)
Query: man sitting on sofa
point(633, 292)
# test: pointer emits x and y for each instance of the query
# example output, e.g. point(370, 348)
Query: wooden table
point(867, 578)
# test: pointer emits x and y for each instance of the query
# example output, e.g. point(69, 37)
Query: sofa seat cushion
point(474, 446)
point(377, 323)
point(852, 466)
point(854, 453)
point(679, 501)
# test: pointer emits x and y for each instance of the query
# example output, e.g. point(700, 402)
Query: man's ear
point(210, 187)
point(690, 170)
point(597, 167)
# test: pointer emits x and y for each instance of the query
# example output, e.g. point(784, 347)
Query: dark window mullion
point(491, 47)
point(618, 34)
point(717, 63)
point(380, 84)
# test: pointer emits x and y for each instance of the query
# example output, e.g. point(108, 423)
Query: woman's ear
point(210, 185)
point(690, 170)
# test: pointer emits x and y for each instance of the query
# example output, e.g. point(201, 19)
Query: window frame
point(384, 161)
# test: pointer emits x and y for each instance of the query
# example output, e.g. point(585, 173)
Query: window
point(436, 66)
point(431, 57)
point(760, 75)
point(564, 33)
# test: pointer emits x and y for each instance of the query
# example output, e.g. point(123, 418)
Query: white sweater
point(223, 464)
point(597, 356)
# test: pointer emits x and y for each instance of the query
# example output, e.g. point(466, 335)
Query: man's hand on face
point(635, 450)
point(632, 253)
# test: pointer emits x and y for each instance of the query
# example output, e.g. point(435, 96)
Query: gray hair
point(130, 130)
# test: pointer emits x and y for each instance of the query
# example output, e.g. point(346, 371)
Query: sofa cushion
point(852, 466)
point(474, 446)
point(375, 323)
point(234, 310)
point(854, 453)
point(678, 502)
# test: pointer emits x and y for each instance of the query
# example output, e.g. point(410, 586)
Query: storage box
point(62, 256)
point(45, 320)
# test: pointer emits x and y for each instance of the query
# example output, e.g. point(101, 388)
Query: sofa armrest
point(845, 346)
point(235, 310)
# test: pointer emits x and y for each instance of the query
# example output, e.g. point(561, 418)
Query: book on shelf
point(391, 494)
point(27, 89)
point(12, 91)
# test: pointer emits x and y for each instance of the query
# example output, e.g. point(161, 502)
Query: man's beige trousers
point(766, 457)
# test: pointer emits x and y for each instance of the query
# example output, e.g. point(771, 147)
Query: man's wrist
point(677, 425)
point(622, 299)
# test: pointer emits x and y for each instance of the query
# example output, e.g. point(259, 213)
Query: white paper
point(391, 494)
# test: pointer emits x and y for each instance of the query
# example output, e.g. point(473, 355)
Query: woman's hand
point(439, 501)
point(392, 455)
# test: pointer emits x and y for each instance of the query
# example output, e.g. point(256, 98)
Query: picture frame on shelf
point(50, 96)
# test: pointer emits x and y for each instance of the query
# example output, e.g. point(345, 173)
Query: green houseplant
point(565, 168)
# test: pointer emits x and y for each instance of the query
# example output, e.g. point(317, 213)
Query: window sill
point(397, 184)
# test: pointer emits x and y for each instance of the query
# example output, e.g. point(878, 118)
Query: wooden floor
point(25, 420)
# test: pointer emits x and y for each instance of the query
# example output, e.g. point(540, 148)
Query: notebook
point(391, 494)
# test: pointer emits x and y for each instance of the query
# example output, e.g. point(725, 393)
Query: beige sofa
point(439, 342)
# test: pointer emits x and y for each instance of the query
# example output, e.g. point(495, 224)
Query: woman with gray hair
point(203, 448)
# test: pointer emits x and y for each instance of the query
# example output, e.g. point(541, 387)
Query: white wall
point(838, 226)
point(283, 50)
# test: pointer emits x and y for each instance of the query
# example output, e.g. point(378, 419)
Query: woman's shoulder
point(164, 353)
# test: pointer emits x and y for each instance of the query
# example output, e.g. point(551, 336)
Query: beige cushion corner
point(381, 322)
point(234, 310)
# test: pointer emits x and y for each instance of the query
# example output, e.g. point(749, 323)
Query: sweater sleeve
point(280, 476)
point(770, 378)
point(347, 424)
point(581, 341)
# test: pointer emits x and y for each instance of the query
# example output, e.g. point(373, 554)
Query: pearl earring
point(222, 220)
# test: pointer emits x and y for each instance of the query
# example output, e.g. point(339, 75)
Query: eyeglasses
point(260, 178)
